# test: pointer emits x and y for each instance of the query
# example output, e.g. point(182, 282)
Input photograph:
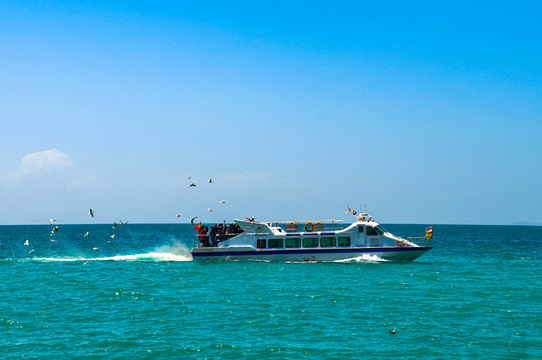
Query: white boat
point(323, 240)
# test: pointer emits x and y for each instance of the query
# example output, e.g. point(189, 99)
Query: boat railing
point(305, 221)
point(419, 240)
point(299, 225)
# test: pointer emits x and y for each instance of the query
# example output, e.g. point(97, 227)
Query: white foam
point(363, 258)
point(55, 259)
point(151, 256)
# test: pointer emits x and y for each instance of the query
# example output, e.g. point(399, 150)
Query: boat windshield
point(379, 230)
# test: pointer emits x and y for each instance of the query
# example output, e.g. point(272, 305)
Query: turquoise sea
point(476, 295)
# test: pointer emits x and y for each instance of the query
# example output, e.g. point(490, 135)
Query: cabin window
point(344, 241)
point(293, 242)
point(327, 242)
point(371, 231)
point(360, 229)
point(275, 243)
point(310, 242)
point(260, 244)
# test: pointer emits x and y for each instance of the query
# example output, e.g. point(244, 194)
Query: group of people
point(217, 233)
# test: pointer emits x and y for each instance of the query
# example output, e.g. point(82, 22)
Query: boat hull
point(305, 255)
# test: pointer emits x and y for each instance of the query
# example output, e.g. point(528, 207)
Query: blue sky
point(427, 112)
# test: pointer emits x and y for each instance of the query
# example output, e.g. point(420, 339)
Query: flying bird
point(222, 202)
point(392, 331)
point(85, 234)
point(209, 209)
point(192, 185)
point(26, 243)
point(31, 251)
point(51, 221)
point(210, 181)
point(112, 236)
point(179, 215)
point(114, 225)
point(192, 220)
point(95, 248)
point(91, 213)
point(55, 228)
point(123, 223)
point(86, 262)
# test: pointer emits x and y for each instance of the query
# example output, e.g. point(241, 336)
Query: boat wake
point(151, 256)
point(176, 252)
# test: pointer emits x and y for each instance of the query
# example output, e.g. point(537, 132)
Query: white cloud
point(40, 163)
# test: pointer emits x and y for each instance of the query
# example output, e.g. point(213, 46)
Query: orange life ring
point(309, 226)
point(318, 226)
point(259, 228)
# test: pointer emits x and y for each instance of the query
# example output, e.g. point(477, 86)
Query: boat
point(308, 241)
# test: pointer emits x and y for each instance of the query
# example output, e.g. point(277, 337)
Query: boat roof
point(251, 224)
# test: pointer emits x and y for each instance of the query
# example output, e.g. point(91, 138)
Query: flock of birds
point(56, 228)
point(192, 185)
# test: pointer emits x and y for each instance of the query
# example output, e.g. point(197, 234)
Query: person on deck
point(212, 236)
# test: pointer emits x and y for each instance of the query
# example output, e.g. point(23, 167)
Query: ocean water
point(476, 295)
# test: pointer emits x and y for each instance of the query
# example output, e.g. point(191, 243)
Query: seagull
point(31, 251)
point(192, 220)
point(222, 202)
point(53, 240)
point(51, 221)
point(85, 234)
point(123, 223)
point(114, 225)
point(210, 181)
point(192, 185)
point(86, 262)
point(95, 248)
point(52, 232)
point(190, 177)
point(208, 209)
point(26, 243)
point(392, 331)
point(179, 215)
point(55, 228)
point(112, 236)
point(91, 213)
